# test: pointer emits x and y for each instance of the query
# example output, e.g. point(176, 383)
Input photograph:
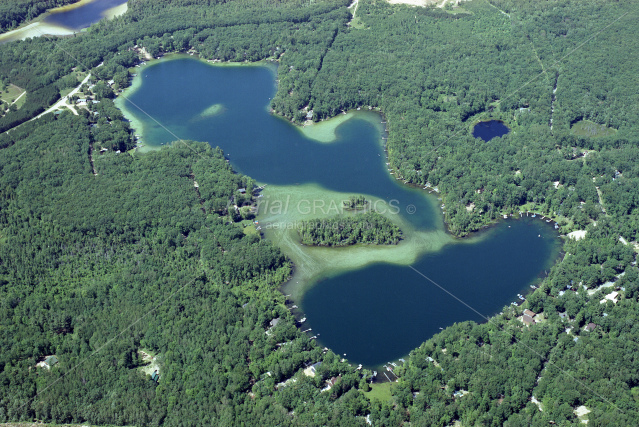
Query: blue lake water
point(490, 129)
point(378, 313)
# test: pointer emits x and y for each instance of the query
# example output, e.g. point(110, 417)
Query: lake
point(365, 301)
point(490, 129)
point(81, 15)
point(68, 19)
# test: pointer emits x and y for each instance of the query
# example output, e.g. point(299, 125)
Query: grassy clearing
point(149, 363)
point(358, 24)
point(65, 92)
point(248, 227)
point(11, 93)
point(380, 391)
point(591, 129)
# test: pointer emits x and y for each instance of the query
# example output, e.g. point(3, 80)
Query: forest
point(368, 228)
point(89, 241)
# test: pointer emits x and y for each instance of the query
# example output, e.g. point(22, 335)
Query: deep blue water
point(263, 146)
point(378, 313)
point(490, 129)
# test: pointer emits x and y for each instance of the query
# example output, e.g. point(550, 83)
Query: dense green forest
point(369, 228)
point(84, 256)
point(16, 12)
point(89, 242)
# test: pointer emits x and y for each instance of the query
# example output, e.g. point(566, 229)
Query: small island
point(370, 228)
point(355, 203)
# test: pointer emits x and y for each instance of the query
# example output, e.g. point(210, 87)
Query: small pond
point(490, 129)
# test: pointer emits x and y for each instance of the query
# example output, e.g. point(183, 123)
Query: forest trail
point(497, 8)
point(553, 98)
point(354, 6)
point(601, 201)
point(95, 173)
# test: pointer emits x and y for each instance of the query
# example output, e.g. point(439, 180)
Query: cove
point(490, 129)
point(67, 19)
point(365, 301)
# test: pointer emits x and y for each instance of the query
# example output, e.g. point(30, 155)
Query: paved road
point(63, 102)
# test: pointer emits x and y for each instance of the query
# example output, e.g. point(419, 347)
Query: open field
point(591, 129)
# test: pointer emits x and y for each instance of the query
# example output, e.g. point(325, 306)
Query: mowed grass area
point(380, 391)
point(591, 129)
point(248, 227)
point(65, 92)
point(11, 93)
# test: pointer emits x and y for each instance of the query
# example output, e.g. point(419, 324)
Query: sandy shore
point(35, 29)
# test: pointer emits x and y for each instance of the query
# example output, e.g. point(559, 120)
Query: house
point(155, 376)
point(310, 371)
point(274, 322)
point(242, 190)
point(527, 320)
point(591, 326)
point(613, 296)
point(530, 313)
point(50, 361)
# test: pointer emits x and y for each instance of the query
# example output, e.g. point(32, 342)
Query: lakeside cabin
point(527, 320)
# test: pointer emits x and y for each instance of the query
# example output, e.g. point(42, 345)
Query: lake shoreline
point(299, 169)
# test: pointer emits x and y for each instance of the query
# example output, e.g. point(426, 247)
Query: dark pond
point(377, 314)
point(490, 129)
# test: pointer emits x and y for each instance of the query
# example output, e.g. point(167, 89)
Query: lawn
point(11, 93)
point(248, 227)
point(380, 391)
